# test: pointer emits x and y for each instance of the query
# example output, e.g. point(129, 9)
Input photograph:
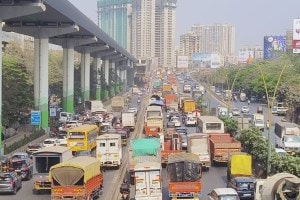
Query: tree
point(231, 125)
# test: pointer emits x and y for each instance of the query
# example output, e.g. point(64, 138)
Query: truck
point(140, 151)
point(258, 121)
point(243, 97)
point(184, 176)
point(166, 89)
point(117, 103)
point(198, 144)
point(239, 174)
point(171, 102)
point(109, 150)
point(148, 185)
point(94, 106)
point(128, 120)
point(221, 145)
point(187, 88)
point(281, 186)
point(78, 178)
point(189, 105)
point(172, 144)
point(157, 84)
point(43, 160)
point(287, 136)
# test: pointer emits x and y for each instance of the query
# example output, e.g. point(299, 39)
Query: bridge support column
point(118, 80)
point(68, 81)
point(85, 76)
point(1, 88)
point(97, 66)
point(41, 47)
point(106, 75)
point(112, 81)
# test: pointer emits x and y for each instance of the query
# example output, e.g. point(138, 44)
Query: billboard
point(273, 46)
point(246, 57)
point(201, 60)
point(296, 36)
point(182, 62)
point(215, 61)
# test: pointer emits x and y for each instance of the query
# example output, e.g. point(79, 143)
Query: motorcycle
point(125, 195)
point(125, 191)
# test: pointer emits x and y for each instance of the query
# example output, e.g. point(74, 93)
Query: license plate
point(246, 195)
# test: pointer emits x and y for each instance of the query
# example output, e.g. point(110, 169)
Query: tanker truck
point(281, 186)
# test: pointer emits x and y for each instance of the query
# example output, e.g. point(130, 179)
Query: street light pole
point(270, 105)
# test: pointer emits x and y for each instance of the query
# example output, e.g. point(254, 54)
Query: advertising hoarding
point(201, 60)
point(296, 36)
point(246, 56)
point(273, 46)
point(182, 62)
point(215, 61)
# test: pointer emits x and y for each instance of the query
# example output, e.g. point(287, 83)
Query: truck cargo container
point(117, 103)
point(148, 184)
point(109, 150)
point(94, 106)
point(184, 176)
point(189, 105)
point(198, 143)
point(221, 145)
point(143, 150)
point(128, 120)
point(171, 102)
point(210, 124)
point(171, 145)
point(78, 178)
point(43, 160)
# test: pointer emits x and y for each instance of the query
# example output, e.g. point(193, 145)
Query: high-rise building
point(188, 44)
point(218, 38)
point(153, 30)
point(114, 18)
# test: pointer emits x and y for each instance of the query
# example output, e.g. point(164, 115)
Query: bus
point(82, 138)
point(210, 124)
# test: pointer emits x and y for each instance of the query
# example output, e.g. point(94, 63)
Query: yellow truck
point(189, 105)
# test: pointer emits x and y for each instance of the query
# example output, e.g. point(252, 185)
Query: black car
point(23, 167)
point(10, 182)
point(173, 114)
point(244, 186)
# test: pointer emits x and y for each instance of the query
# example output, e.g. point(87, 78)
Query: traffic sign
point(35, 118)
point(53, 112)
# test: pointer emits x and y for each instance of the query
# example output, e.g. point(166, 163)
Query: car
point(181, 81)
point(245, 109)
point(176, 121)
point(31, 148)
point(190, 121)
point(10, 182)
point(133, 109)
point(49, 142)
point(218, 93)
point(274, 110)
point(182, 130)
point(223, 193)
point(171, 125)
point(62, 139)
point(23, 167)
point(20, 155)
point(260, 109)
point(235, 112)
point(173, 114)
point(244, 186)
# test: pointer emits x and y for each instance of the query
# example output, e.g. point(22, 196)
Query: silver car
point(10, 182)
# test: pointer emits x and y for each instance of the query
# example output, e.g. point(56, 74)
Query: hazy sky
point(252, 19)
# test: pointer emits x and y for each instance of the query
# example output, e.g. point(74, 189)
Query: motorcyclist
point(125, 187)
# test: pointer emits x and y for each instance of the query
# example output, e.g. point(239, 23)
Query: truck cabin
point(152, 131)
point(210, 124)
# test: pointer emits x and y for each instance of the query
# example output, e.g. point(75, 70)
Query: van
point(64, 117)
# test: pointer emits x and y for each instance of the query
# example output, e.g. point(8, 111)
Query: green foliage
point(23, 142)
point(231, 125)
point(288, 164)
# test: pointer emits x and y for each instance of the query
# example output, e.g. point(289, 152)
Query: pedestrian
point(248, 101)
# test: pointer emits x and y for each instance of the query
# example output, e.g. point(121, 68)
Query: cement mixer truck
point(281, 186)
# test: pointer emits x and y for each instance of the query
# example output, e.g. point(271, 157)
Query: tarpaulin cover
point(241, 165)
point(145, 146)
point(73, 170)
point(184, 167)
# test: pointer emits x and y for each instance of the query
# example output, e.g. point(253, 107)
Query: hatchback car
point(23, 167)
point(33, 148)
point(223, 193)
point(176, 121)
point(235, 112)
point(245, 109)
point(190, 121)
point(10, 182)
point(50, 142)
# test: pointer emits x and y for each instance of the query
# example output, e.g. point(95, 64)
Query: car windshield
point(228, 197)
point(293, 138)
point(245, 185)
point(18, 164)
point(48, 142)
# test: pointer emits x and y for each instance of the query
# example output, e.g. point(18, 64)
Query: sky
point(252, 19)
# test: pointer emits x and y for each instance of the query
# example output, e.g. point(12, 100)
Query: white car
point(245, 109)
point(191, 121)
point(50, 142)
point(176, 121)
point(235, 112)
point(223, 193)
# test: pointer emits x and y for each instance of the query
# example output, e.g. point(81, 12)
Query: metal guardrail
point(136, 134)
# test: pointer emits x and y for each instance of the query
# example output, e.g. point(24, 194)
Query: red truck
point(184, 176)
point(172, 145)
point(78, 178)
point(221, 145)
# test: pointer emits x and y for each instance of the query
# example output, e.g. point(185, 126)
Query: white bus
point(210, 124)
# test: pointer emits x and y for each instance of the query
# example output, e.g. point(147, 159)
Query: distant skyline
point(252, 19)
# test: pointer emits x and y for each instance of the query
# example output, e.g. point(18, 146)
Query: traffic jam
point(147, 132)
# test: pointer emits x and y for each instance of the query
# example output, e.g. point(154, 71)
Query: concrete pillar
point(68, 80)
point(41, 47)
point(85, 76)
point(106, 70)
point(97, 65)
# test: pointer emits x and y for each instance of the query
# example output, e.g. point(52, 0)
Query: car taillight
point(12, 183)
